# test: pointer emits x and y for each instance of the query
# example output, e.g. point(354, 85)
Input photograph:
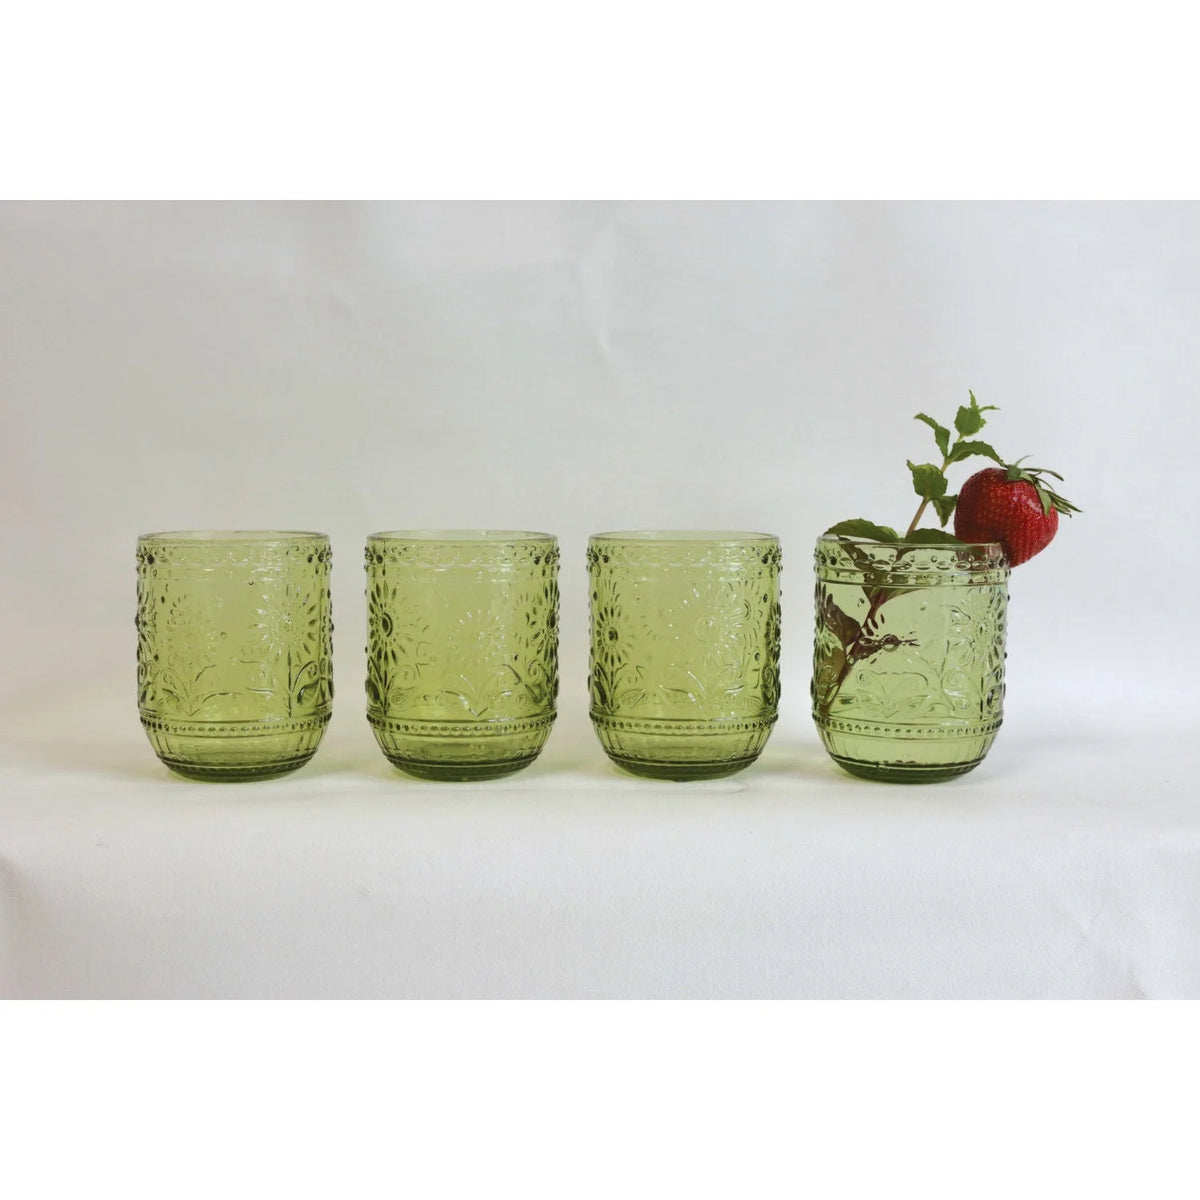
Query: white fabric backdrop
point(573, 367)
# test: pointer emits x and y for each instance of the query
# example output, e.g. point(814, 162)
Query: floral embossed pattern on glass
point(684, 649)
point(234, 650)
point(908, 665)
point(462, 656)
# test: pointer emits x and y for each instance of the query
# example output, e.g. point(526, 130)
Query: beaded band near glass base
point(224, 751)
point(681, 750)
point(887, 752)
point(461, 751)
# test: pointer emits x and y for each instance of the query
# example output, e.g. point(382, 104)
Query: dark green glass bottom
point(461, 751)
point(903, 772)
point(235, 751)
point(459, 772)
point(916, 753)
point(683, 772)
point(235, 774)
point(661, 748)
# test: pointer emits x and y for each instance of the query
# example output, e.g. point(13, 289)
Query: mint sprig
point(930, 483)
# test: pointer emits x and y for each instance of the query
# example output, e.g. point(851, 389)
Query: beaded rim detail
point(908, 564)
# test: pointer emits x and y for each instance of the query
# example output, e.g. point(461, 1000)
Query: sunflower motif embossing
point(400, 651)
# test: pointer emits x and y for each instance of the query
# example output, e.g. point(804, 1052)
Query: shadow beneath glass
point(116, 759)
point(126, 759)
point(793, 760)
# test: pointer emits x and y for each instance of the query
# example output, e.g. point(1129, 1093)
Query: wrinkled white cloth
point(1067, 865)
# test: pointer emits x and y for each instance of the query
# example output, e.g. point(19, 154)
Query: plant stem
point(912, 526)
point(876, 596)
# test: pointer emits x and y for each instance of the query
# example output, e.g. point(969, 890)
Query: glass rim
point(258, 537)
point(462, 537)
point(689, 537)
point(837, 538)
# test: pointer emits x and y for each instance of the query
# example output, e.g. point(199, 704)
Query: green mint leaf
point(928, 482)
point(970, 418)
point(967, 449)
point(940, 433)
point(969, 421)
point(944, 505)
point(933, 537)
point(862, 528)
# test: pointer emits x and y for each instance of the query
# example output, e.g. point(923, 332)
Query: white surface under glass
point(1067, 865)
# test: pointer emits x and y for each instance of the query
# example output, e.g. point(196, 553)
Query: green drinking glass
point(234, 650)
point(462, 654)
point(684, 649)
point(908, 661)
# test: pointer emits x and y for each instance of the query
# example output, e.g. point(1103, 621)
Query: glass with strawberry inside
point(908, 660)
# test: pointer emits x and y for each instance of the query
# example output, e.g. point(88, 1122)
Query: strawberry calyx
point(1047, 496)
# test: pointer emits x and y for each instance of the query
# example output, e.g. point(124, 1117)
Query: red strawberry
point(1013, 506)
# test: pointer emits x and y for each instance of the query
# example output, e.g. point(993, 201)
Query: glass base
point(904, 772)
point(461, 751)
point(458, 772)
point(683, 772)
point(234, 751)
point(235, 773)
point(658, 748)
point(906, 754)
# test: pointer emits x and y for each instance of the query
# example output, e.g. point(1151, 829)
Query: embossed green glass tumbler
point(462, 654)
point(685, 649)
point(234, 650)
point(908, 662)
